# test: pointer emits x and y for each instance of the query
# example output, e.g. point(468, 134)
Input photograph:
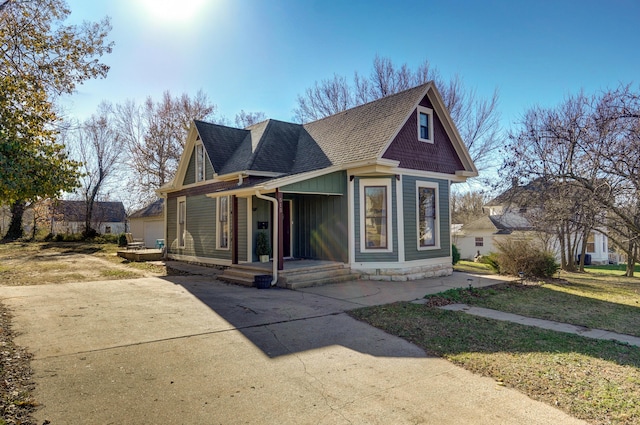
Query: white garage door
point(152, 231)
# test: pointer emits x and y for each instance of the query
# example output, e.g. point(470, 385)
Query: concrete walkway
point(544, 324)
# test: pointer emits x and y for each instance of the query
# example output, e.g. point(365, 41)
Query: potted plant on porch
point(263, 248)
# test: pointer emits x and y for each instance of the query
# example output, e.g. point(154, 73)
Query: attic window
point(425, 124)
point(199, 163)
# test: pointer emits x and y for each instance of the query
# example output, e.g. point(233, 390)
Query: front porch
point(295, 273)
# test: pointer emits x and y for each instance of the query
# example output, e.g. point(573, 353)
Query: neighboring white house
point(148, 223)
point(508, 214)
point(69, 217)
point(477, 237)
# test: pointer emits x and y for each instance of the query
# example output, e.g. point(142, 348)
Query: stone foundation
point(407, 273)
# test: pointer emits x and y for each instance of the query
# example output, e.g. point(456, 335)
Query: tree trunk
point(15, 228)
point(563, 249)
point(583, 249)
point(631, 258)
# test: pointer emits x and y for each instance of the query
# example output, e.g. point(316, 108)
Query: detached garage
point(148, 223)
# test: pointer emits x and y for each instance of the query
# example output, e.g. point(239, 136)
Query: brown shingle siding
point(439, 156)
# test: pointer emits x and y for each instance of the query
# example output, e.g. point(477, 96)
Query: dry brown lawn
point(38, 263)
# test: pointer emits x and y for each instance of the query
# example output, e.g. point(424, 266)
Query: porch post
point(280, 236)
point(234, 229)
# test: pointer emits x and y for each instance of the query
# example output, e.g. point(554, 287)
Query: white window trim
point(376, 182)
point(184, 236)
point(218, 224)
point(200, 158)
point(429, 113)
point(430, 185)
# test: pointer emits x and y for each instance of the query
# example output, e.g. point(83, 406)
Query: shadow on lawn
point(69, 248)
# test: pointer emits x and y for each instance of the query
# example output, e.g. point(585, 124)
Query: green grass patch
point(582, 300)
point(119, 274)
point(598, 381)
point(472, 267)
point(613, 269)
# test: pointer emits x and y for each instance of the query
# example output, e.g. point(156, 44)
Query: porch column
point(280, 236)
point(234, 229)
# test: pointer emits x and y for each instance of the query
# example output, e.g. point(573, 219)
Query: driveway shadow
point(281, 322)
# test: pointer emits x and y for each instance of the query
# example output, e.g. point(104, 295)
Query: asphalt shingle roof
point(154, 209)
point(109, 212)
point(360, 133)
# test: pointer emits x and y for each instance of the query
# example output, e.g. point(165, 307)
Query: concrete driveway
point(189, 350)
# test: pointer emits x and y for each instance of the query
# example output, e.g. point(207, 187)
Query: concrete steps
point(292, 278)
point(240, 276)
point(315, 276)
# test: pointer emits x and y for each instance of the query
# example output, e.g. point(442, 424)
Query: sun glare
point(177, 11)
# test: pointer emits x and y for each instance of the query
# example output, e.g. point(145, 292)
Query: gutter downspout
point(274, 241)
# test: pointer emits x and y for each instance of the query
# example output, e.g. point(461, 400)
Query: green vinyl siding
point(190, 175)
point(366, 257)
point(411, 221)
point(320, 227)
point(334, 183)
point(242, 229)
point(208, 168)
point(200, 240)
point(172, 217)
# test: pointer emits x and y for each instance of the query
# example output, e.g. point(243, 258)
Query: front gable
point(190, 173)
point(439, 156)
point(444, 153)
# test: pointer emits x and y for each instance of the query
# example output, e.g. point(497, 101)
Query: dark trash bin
point(587, 259)
point(262, 281)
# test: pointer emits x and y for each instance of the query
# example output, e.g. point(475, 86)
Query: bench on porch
point(133, 243)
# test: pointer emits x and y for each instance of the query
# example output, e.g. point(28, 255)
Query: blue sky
point(258, 55)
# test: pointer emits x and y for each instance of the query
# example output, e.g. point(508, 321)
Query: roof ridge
point(393, 95)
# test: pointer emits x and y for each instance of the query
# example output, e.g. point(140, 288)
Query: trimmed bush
point(520, 255)
point(122, 240)
point(491, 259)
point(455, 254)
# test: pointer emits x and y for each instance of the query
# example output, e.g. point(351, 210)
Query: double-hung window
point(223, 222)
point(375, 215)
point(591, 242)
point(427, 209)
point(425, 124)
point(199, 163)
point(182, 220)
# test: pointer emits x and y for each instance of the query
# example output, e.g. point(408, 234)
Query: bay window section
point(375, 215)
point(427, 195)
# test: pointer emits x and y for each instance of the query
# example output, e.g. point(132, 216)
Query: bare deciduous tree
point(594, 143)
point(155, 133)
point(245, 119)
point(466, 207)
point(100, 148)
